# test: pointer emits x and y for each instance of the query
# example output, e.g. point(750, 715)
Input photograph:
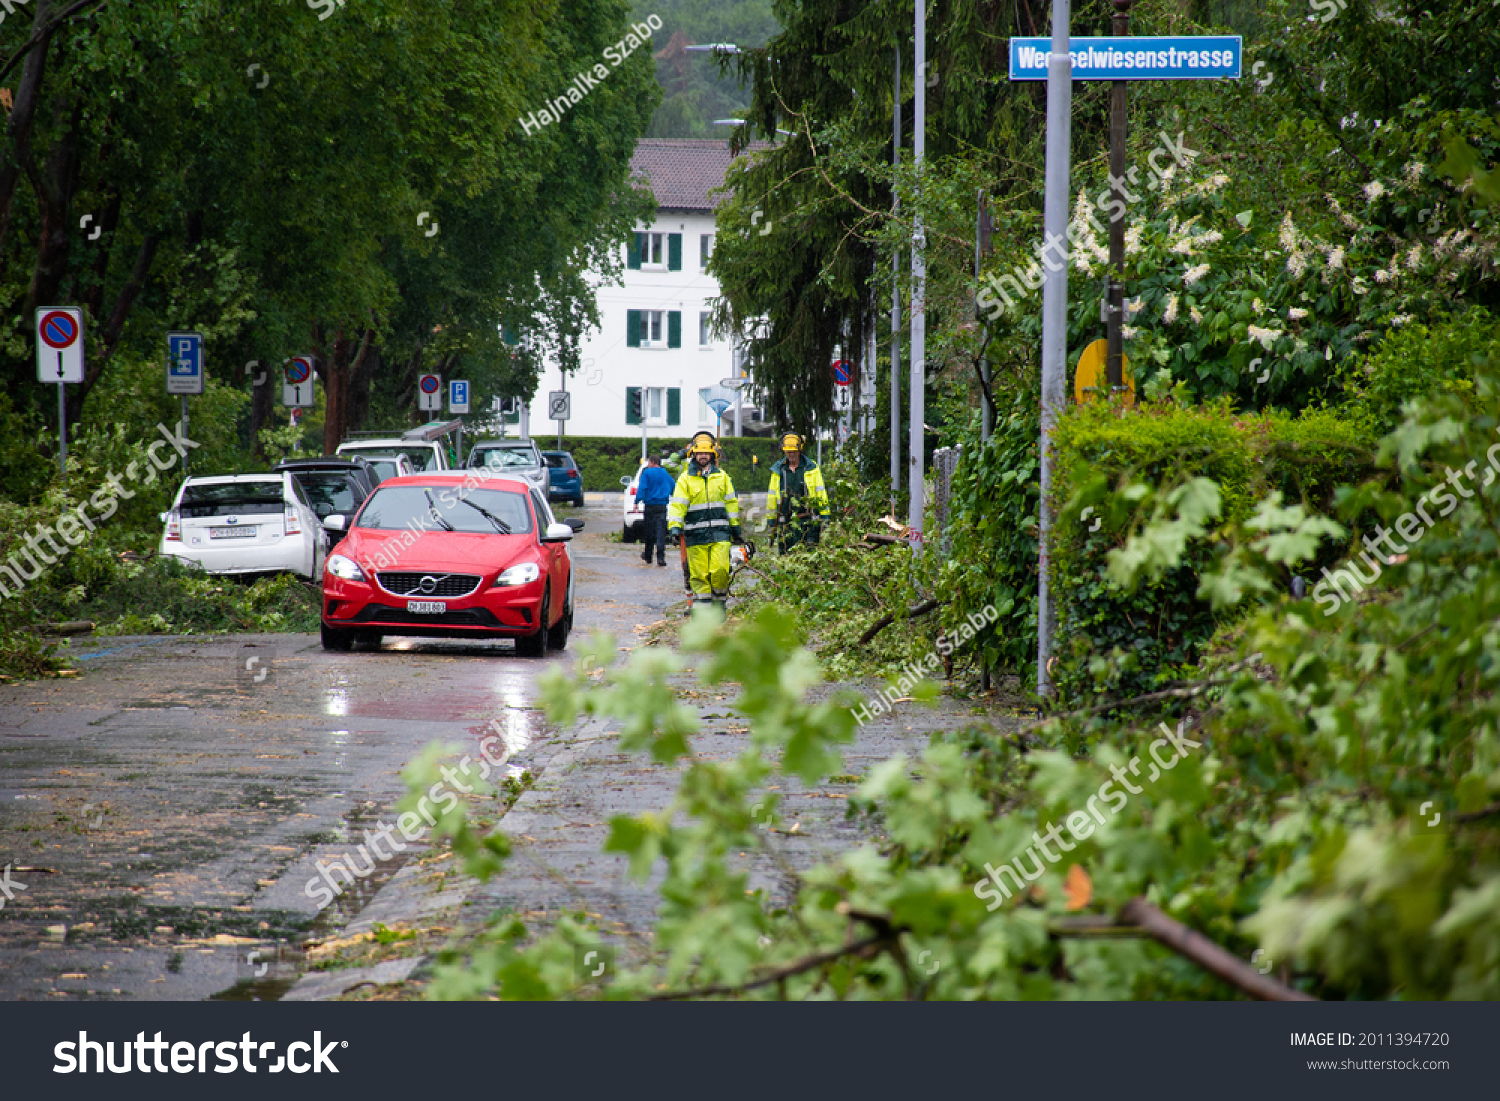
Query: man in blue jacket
point(654, 491)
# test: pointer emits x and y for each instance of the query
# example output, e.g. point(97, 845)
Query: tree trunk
point(261, 398)
point(54, 188)
point(17, 153)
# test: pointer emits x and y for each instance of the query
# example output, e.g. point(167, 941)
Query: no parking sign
point(430, 393)
point(59, 344)
point(298, 388)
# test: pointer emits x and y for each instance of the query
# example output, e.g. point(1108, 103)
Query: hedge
point(1164, 624)
point(604, 460)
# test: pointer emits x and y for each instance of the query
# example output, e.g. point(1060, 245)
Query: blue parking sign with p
point(458, 396)
point(184, 363)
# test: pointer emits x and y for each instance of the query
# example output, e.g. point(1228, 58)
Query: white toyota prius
point(246, 523)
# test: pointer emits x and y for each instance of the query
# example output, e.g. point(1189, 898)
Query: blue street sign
point(1174, 57)
point(184, 363)
point(458, 396)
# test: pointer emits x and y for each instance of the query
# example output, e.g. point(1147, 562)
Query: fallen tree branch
point(884, 540)
point(1093, 925)
point(886, 620)
point(71, 627)
point(1183, 693)
point(1206, 954)
point(796, 967)
point(1474, 815)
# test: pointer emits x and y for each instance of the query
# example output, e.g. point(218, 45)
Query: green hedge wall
point(604, 460)
point(1165, 624)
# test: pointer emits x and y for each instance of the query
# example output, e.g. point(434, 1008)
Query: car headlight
point(524, 574)
point(346, 568)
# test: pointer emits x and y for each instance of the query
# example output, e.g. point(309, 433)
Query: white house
point(654, 344)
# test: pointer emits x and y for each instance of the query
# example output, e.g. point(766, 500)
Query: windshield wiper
point(500, 525)
point(431, 504)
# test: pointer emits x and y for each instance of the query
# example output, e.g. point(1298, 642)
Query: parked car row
point(487, 562)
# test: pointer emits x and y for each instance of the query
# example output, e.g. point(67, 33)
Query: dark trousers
point(654, 532)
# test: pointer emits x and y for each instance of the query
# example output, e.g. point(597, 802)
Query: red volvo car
point(465, 554)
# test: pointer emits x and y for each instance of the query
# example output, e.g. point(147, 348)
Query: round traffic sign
point(59, 330)
point(429, 384)
point(298, 371)
point(842, 375)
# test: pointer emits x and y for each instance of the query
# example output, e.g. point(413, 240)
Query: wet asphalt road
point(168, 796)
point(164, 812)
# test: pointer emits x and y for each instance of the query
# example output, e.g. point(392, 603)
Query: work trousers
point(654, 532)
point(708, 566)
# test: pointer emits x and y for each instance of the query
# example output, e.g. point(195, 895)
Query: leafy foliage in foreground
point(1301, 816)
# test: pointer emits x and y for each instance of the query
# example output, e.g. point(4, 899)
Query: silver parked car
point(518, 458)
point(246, 523)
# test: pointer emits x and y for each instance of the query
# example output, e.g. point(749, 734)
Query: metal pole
point(184, 428)
point(918, 443)
point(896, 295)
point(1054, 308)
point(564, 373)
point(62, 427)
point(981, 244)
point(1114, 362)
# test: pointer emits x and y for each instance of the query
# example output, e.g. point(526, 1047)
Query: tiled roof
point(681, 171)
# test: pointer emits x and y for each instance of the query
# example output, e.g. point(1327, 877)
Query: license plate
point(426, 607)
point(231, 533)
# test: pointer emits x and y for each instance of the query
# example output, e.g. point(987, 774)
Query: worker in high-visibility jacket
point(705, 512)
point(797, 501)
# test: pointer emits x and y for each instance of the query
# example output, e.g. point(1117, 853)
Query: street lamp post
point(915, 488)
point(1054, 311)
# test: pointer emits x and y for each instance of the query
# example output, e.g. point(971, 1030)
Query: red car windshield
point(446, 508)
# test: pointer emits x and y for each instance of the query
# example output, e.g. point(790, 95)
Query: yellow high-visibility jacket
point(704, 507)
point(791, 486)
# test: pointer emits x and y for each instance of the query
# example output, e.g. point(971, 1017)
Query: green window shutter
point(632, 328)
point(633, 252)
point(674, 252)
point(674, 405)
point(674, 329)
point(631, 401)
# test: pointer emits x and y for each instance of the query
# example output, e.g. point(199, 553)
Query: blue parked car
point(563, 476)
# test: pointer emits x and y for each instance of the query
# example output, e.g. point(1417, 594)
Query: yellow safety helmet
point(791, 442)
point(703, 441)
